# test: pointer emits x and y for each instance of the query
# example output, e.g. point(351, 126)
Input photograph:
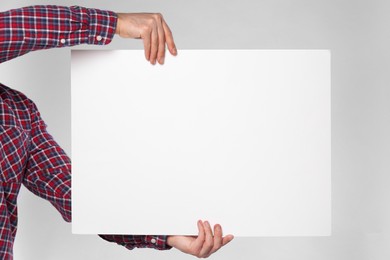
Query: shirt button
point(99, 38)
point(153, 240)
point(63, 41)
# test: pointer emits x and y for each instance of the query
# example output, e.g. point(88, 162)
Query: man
point(29, 154)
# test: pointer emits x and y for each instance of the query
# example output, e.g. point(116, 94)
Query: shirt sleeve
point(48, 175)
point(140, 241)
point(48, 168)
point(48, 26)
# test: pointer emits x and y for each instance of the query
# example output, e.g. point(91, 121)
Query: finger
point(154, 45)
point(147, 43)
point(169, 39)
point(161, 42)
point(227, 239)
point(200, 239)
point(217, 238)
point(209, 240)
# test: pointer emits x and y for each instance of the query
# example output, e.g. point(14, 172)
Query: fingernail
point(162, 60)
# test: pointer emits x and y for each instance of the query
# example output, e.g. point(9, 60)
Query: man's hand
point(204, 244)
point(152, 29)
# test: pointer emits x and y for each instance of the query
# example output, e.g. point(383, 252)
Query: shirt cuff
point(102, 26)
point(139, 241)
point(157, 242)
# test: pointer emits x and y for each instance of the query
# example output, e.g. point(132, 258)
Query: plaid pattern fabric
point(42, 27)
point(28, 153)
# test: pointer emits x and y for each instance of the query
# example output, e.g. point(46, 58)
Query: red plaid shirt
point(28, 153)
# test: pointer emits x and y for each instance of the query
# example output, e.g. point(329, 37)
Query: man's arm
point(43, 27)
point(48, 175)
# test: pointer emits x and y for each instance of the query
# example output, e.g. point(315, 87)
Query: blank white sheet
point(236, 137)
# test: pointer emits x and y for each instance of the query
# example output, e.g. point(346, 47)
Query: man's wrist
point(169, 240)
point(118, 23)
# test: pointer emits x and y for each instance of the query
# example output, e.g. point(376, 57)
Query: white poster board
point(237, 137)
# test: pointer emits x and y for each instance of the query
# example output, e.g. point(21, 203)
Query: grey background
point(357, 34)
